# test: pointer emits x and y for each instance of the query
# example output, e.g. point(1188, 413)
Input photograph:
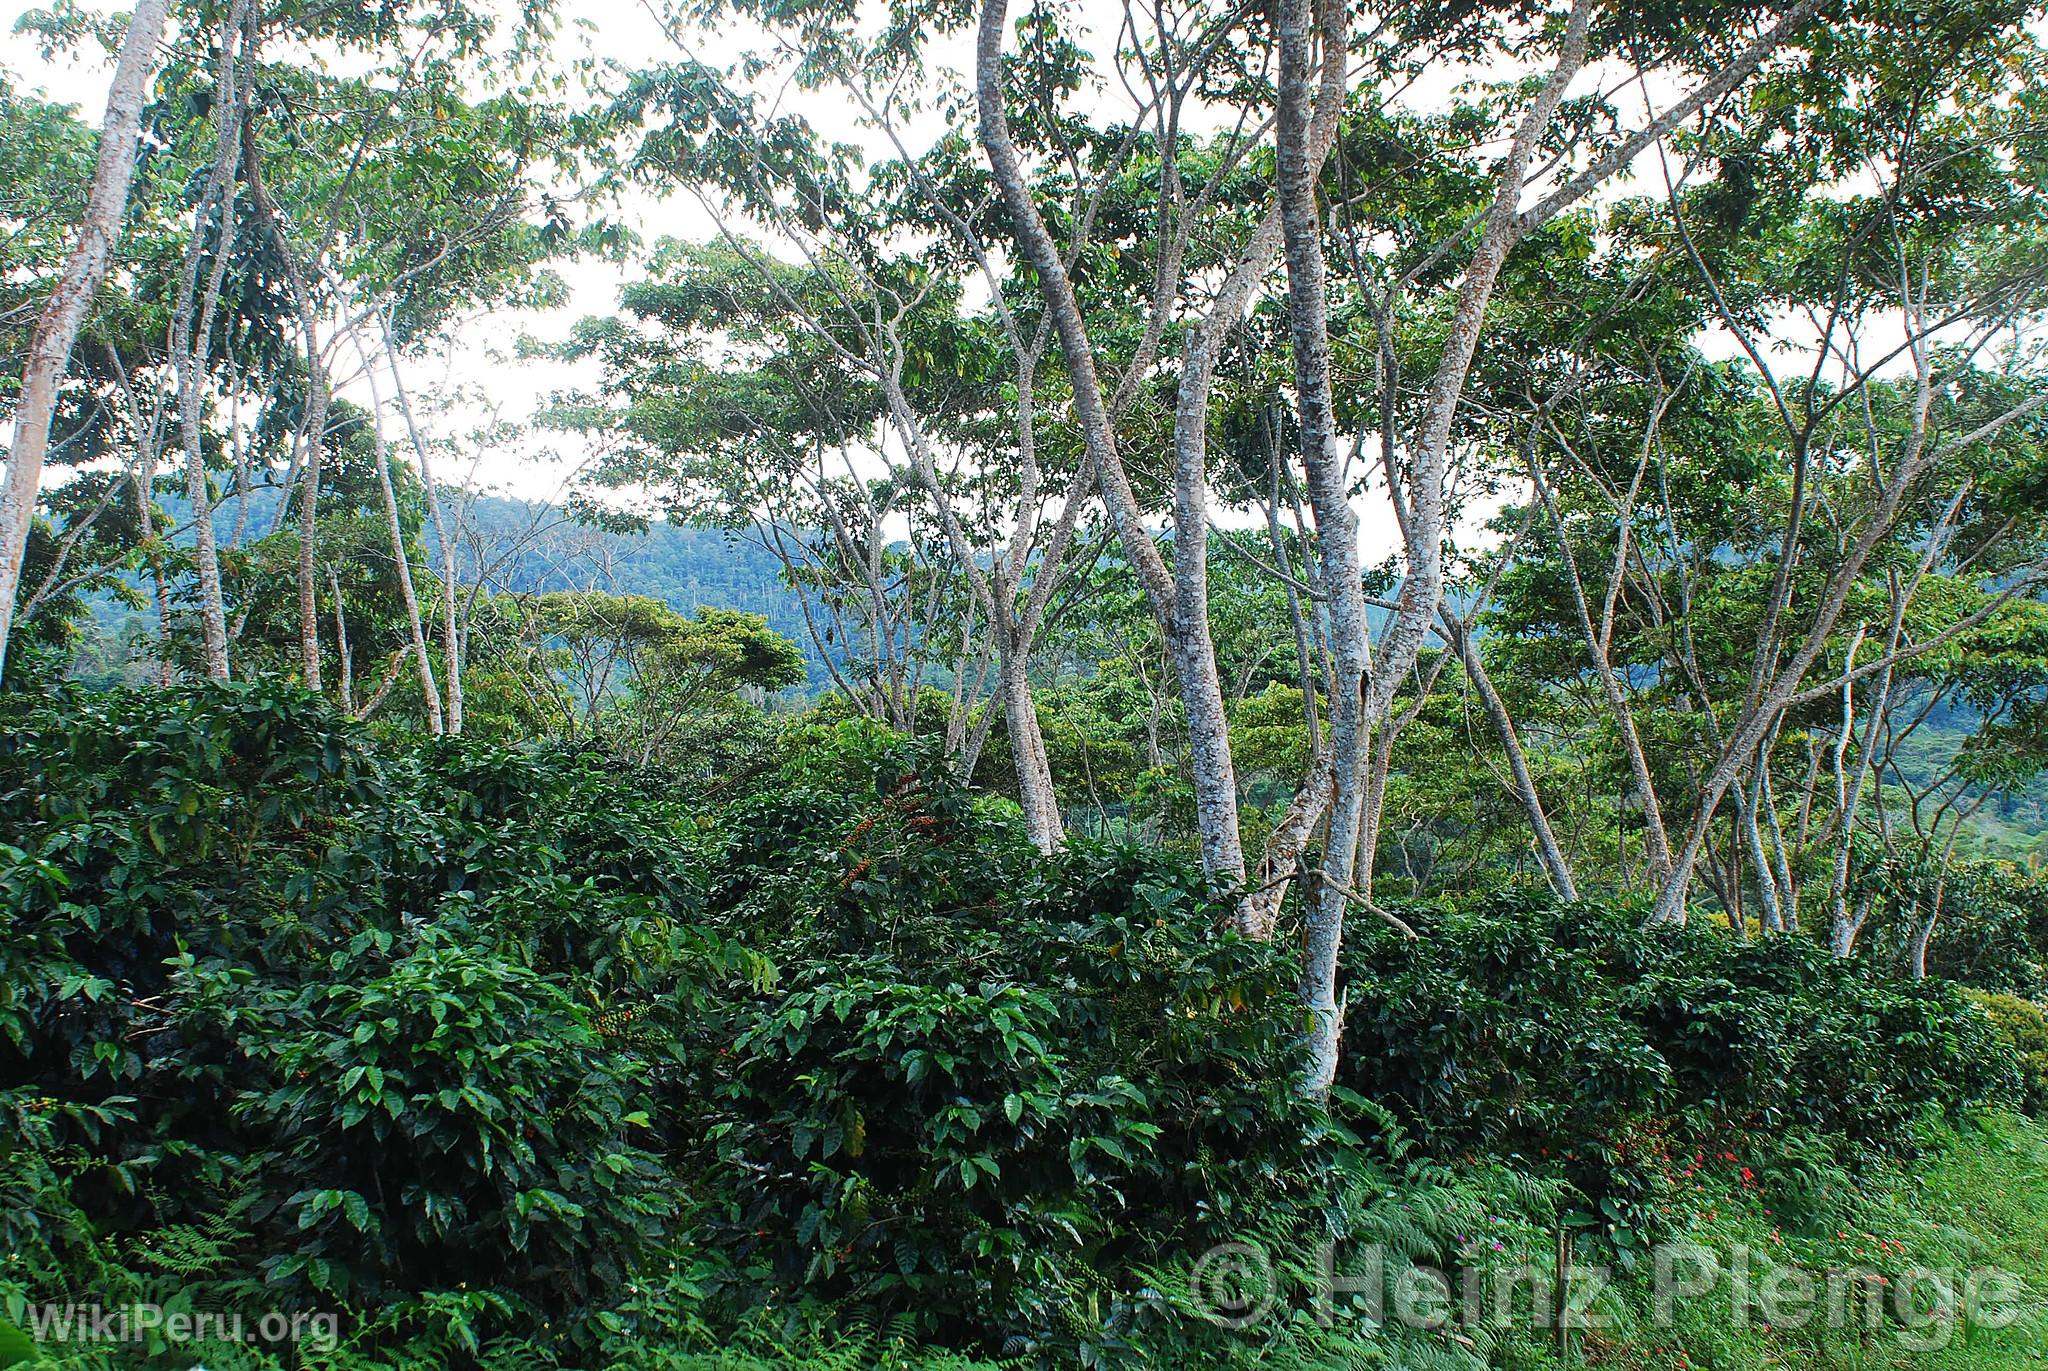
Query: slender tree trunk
point(1770, 913)
point(1373, 811)
point(317, 400)
point(1260, 911)
point(1186, 635)
point(190, 336)
point(401, 560)
point(1849, 794)
point(1916, 950)
point(430, 691)
point(1848, 927)
point(1422, 588)
point(1336, 522)
point(160, 586)
point(451, 648)
point(1547, 849)
point(342, 655)
point(1781, 863)
point(1027, 744)
point(49, 349)
point(1656, 838)
point(1305, 663)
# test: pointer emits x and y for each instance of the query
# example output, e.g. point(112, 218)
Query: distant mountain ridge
point(687, 568)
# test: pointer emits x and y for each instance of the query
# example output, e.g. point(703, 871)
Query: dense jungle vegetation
point(1307, 685)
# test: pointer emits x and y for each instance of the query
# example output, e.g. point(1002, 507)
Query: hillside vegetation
point(512, 1055)
point(1300, 686)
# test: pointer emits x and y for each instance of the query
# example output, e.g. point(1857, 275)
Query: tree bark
point(1187, 635)
point(191, 337)
point(1547, 849)
point(1916, 950)
point(57, 327)
point(1027, 744)
point(451, 648)
point(317, 401)
point(1336, 522)
point(1656, 838)
point(430, 692)
point(343, 657)
point(1781, 691)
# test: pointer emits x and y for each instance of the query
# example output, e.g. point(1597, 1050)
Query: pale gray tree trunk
point(312, 464)
point(430, 691)
point(191, 337)
point(1422, 588)
point(1767, 806)
point(1916, 949)
point(1034, 770)
point(1847, 924)
point(1329, 496)
point(63, 315)
point(343, 656)
point(1547, 849)
point(1656, 838)
point(451, 645)
point(1771, 913)
point(1783, 691)
point(1187, 635)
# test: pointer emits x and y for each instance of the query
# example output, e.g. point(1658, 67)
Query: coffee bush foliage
point(1558, 1031)
point(505, 1038)
point(2025, 1024)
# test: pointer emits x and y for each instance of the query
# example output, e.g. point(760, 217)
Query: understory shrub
point(986, 1087)
point(2026, 1025)
point(1560, 1032)
point(470, 1041)
point(355, 998)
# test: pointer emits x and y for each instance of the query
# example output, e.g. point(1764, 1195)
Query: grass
point(1972, 1209)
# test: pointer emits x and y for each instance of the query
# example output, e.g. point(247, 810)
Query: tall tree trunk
point(1423, 529)
point(1547, 849)
point(1336, 522)
point(1027, 746)
point(401, 560)
point(56, 330)
point(342, 654)
point(451, 649)
point(1656, 837)
point(312, 467)
point(1771, 913)
point(1848, 924)
point(430, 692)
point(1186, 634)
point(191, 336)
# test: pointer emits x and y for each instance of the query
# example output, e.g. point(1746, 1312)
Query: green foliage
point(250, 946)
point(435, 1104)
point(468, 1041)
point(1562, 1033)
point(2026, 1024)
point(1993, 931)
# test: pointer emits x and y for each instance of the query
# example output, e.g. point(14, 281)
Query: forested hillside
point(517, 548)
point(1292, 687)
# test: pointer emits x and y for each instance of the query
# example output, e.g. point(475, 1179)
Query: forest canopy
point(843, 684)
